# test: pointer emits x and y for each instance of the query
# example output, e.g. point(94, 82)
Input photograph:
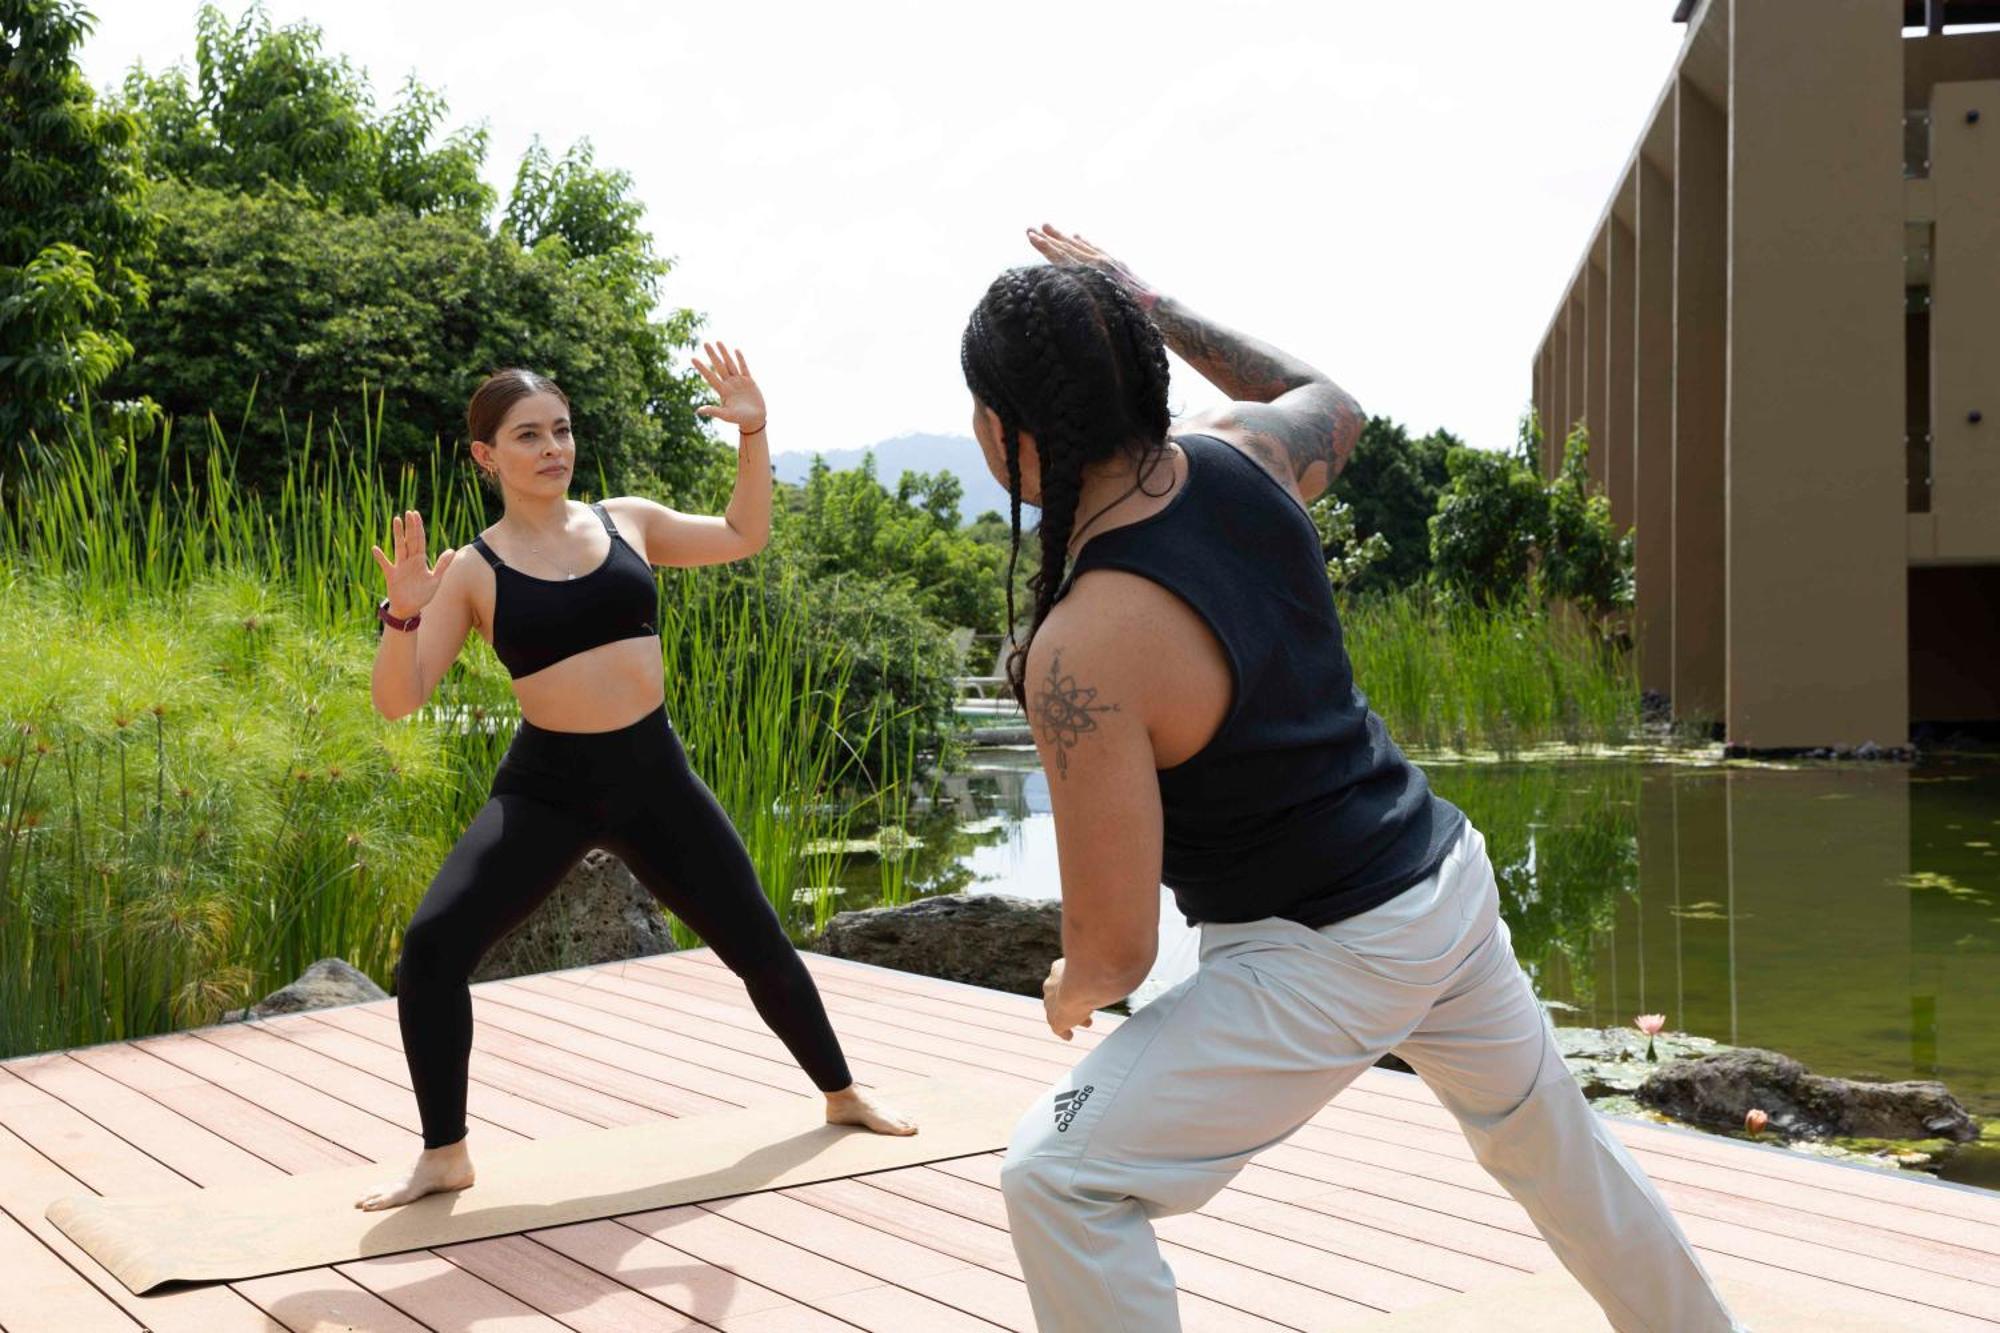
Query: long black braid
point(1066, 355)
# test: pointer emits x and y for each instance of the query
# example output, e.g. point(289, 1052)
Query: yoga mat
point(1553, 1300)
point(305, 1221)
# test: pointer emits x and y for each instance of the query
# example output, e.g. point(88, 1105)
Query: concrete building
point(1784, 339)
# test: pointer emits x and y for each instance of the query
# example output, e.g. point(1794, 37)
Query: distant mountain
point(957, 454)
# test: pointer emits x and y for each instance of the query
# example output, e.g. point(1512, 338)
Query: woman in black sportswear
point(565, 594)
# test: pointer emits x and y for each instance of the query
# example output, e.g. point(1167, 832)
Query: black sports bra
point(538, 622)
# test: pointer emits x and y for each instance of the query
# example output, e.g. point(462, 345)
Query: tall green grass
point(1502, 679)
point(196, 796)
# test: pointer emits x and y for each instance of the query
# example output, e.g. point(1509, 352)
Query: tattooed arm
point(1298, 422)
point(1086, 706)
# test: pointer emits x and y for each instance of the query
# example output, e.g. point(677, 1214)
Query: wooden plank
point(611, 1016)
point(314, 1109)
point(918, 1268)
point(673, 1277)
point(379, 1097)
point(421, 1285)
point(318, 1300)
point(442, 1295)
point(710, 1007)
point(30, 1180)
point(573, 1293)
point(563, 1059)
point(808, 1278)
point(1747, 1159)
point(1446, 1266)
point(41, 1291)
point(887, 1021)
point(1223, 1281)
point(719, 1089)
point(524, 1081)
point(527, 1118)
point(190, 1149)
point(252, 1127)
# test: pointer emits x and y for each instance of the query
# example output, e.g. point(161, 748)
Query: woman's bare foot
point(852, 1106)
point(437, 1171)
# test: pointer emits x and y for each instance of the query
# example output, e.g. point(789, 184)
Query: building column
point(1817, 549)
point(1701, 146)
point(1597, 374)
point(1621, 270)
point(1653, 428)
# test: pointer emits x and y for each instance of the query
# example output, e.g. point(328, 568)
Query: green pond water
point(1845, 914)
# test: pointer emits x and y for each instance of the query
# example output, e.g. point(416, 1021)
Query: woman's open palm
point(413, 581)
point(728, 373)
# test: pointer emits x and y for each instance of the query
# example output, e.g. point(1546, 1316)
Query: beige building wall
point(1817, 642)
point(1965, 321)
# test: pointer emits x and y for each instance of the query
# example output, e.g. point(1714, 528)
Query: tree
point(848, 523)
point(269, 107)
point(271, 293)
point(1501, 533)
point(1392, 484)
point(74, 228)
point(311, 246)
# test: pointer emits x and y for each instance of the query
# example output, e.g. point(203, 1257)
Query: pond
point(1844, 914)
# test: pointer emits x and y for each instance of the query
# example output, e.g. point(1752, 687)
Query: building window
point(1917, 397)
point(1916, 144)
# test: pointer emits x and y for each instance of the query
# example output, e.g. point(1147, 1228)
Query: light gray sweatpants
point(1277, 1019)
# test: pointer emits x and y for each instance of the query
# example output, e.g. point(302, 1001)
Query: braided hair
point(1067, 355)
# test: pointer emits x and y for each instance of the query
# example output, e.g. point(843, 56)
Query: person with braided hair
point(1185, 677)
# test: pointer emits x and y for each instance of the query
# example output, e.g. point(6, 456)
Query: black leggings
point(556, 795)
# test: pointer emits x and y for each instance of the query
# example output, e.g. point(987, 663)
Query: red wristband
point(405, 623)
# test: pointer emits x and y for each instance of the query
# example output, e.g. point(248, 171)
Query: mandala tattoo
point(1065, 710)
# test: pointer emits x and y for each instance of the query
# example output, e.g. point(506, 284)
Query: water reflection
point(1848, 915)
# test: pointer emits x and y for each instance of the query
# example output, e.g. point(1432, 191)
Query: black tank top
point(1300, 806)
point(538, 622)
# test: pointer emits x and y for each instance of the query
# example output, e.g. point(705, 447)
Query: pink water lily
point(1650, 1024)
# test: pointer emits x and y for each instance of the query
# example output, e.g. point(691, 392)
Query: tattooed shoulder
point(1063, 710)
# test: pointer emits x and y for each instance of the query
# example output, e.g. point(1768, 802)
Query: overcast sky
point(1396, 192)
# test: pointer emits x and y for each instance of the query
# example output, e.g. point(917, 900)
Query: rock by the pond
point(598, 914)
point(327, 983)
point(983, 939)
point(1717, 1090)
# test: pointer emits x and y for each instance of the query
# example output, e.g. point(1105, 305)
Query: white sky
point(1395, 191)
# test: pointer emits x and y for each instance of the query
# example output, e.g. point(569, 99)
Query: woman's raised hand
point(728, 373)
point(412, 580)
point(1058, 248)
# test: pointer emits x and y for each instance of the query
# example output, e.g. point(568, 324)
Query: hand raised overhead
point(1073, 249)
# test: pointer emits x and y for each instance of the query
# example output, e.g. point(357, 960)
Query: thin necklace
point(567, 572)
point(1145, 471)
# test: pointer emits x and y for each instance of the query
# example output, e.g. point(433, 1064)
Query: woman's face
point(533, 452)
point(992, 443)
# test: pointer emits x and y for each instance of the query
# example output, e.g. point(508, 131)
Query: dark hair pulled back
point(1068, 356)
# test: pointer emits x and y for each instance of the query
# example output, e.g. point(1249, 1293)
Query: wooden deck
point(1376, 1205)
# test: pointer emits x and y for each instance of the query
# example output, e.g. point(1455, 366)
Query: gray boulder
point(598, 914)
point(983, 939)
point(1717, 1090)
point(325, 984)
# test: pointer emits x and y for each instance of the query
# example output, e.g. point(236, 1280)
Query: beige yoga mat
point(1553, 1300)
point(304, 1221)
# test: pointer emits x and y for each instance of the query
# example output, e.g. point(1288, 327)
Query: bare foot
point(437, 1171)
point(852, 1106)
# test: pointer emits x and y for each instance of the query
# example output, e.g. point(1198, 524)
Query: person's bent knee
point(1031, 1182)
point(430, 955)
